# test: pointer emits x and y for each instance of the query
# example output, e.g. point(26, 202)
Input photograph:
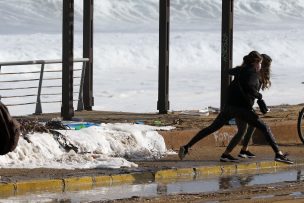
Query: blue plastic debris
point(78, 126)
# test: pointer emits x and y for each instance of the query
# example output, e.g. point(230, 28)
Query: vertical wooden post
point(67, 109)
point(163, 75)
point(227, 46)
point(88, 98)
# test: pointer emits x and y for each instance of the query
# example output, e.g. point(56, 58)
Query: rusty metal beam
point(88, 99)
point(67, 109)
point(163, 75)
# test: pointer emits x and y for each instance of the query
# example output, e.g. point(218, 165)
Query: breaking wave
point(113, 15)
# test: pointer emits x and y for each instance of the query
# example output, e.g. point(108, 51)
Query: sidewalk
point(203, 159)
point(200, 163)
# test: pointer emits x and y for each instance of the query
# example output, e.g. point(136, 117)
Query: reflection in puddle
point(263, 196)
point(297, 194)
point(193, 186)
point(300, 176)
point(97, 194)
point(205, 184)
point(231, 182)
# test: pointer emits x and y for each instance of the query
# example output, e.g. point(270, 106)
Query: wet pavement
point(203, 184)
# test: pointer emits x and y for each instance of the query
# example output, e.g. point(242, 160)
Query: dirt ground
point(180, 119)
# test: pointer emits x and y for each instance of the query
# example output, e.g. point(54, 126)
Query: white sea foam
point(45, 15)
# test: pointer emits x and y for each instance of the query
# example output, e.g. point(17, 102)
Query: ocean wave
point(46, 15)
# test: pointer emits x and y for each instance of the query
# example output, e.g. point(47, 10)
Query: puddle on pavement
point(205, 184)
point(263, 196)
point(295, 195)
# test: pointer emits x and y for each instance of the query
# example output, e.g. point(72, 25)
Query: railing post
point(163, 75)
point(88, 53)
point(227, 45)
point(67, 109)
point(80, 96)
point(38, 101)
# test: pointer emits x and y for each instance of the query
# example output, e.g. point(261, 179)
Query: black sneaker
point(246, 154)
point(183, 150)
point(282, 158)
point(228, 158)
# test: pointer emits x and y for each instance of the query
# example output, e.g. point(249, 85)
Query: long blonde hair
point(265, 72)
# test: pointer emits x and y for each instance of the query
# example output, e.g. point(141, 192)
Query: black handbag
point(263, 107)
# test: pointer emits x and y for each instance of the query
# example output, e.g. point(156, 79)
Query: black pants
point(248, 116)
point(245, 131)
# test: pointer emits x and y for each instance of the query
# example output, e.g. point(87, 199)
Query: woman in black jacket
point(246, 131)
point(241, 96)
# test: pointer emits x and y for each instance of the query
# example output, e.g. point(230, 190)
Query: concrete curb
point(89, 182)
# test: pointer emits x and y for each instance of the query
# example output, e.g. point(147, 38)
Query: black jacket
point(244, 89)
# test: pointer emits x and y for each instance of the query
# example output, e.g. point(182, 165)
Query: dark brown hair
point(252, 57)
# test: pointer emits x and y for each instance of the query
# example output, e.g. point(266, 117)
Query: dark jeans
point(244, 130)
point(248, 116)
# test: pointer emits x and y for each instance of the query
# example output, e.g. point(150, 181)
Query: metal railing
point(38, 109)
